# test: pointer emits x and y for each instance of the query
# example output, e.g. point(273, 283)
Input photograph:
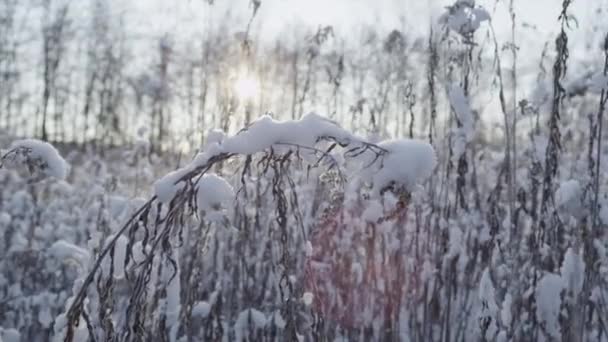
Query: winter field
point(386, 181)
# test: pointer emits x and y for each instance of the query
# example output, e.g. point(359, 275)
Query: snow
point(120, 255)
point(278, 320)
point(172, 299)
point(60, 328)
point(357, 271)
point(261, 135)
point(63, 250)
point(62, 188)
point(486, 291)
point(455, 245)
point(462, 109)
point(215, 136)
point(308, 249)
point(201, 309)
point(44, 316)
point(505, 311)
point(117, 205)
point(9, 335)
point(428, 271)
point(461, 106)
point(548, 302)
point(451, 266)
point(463, 17)
point(489, 308)
point(373, 211)
point(138, 252)
point(169, 185)
point(5, 219)
point(249, 318)
point(603, 214)
point(44, 156)
point(568, 197)
point(307, 298)
point(573, 272)
point(598, 83)
point(406, 163)
point(266, 132)
point(213, 193)
point(539, 147)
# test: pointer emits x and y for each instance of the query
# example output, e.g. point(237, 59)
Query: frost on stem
point(41, 159)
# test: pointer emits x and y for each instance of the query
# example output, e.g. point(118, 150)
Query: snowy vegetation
point(170, 208)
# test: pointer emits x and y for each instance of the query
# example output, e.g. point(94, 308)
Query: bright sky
point(182, 18)
point(275, 15)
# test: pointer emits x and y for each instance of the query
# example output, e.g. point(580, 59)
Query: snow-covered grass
point(202, 273)
point(412, 214)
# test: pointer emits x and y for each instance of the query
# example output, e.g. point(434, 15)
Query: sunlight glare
point(246, 87)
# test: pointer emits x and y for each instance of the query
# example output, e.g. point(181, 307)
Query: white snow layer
point(568, 197)
point(307, 298)
point(406, 163)
point(9, 335)
point(548, 302)
point(45, 155)
point(598, 83)
point(167, 187)
point(278, 320)
point(214, 192)
point(373, 211)
point(120, 255)
point(464, 133)
point(603, 214)
point(63, 250)
point(487, 292)
point(215, 136)
point(248, 319)
point(489, 308)
point(461, 106)
point(266, 132)
point(201, 309)
point(573, 272)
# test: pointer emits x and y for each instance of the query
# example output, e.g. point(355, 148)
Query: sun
point(246, 87)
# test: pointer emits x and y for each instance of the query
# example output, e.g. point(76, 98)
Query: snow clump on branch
point(266, 132)
point(41, 158)
point(214, 193)
point(404, 162)
point(262, 134)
